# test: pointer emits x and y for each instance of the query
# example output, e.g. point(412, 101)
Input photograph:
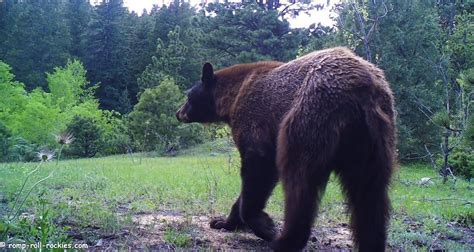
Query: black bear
point(298, 121)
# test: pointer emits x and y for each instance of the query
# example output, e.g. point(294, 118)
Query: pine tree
point(106, 55)
point(35, 39)
point(141, 49)
point(78, 16)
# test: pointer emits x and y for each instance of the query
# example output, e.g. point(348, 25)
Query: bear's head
point(200, 105)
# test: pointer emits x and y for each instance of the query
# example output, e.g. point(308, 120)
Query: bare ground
point(169, 230)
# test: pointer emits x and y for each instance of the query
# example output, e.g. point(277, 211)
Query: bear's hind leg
point(366, 188)
point(307, 142)
point(302, 196)
point(365, 160)
point(304, 155)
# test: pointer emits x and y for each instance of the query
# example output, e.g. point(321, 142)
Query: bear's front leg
point(232, 222)
point(259, 177)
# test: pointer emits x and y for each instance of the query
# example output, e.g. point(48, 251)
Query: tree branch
point(433, 163)
point(284, 11)
point(466, 202)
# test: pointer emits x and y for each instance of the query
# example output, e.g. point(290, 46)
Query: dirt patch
point(168, 230)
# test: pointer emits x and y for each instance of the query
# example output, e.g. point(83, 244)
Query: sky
point(301, 20)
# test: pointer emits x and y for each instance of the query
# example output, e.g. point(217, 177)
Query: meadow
point(146, 201)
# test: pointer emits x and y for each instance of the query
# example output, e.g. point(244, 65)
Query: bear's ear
point(207, 73)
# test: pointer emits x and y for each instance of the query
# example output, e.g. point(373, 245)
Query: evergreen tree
point(235, 33)
point(35, 39)
point(141, 49)
point(166, 62)
point(106, 54)
point(78, 14)
point(165, 20)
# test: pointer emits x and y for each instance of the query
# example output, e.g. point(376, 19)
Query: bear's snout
point(182, 116)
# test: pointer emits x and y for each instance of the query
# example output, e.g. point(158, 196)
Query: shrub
point(38, 120)
point(22, 150)
point(153, 122)
point(4, 143)
point(462, 162)
point(68, 85)
point(116, 135)
point(87, 137)
point(38, 115)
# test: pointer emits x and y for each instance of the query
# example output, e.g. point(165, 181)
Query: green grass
point(99, 196)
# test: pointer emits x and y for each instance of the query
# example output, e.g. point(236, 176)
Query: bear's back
point(272, 93)
point(338, 67)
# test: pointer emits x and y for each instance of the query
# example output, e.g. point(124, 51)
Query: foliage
point(166, 63)
point(38, 119)
point(177, 238)
point(87, 137)
point(466, 104)
point(4, 142)
point(116, 135)
point(246, 33)
point(320, 37)
point(37, 115)
point(78, 14)
point(35, 39)
point(68, 85)
point(139, 32)
point(462, 162)
point(469, 132)
point(153, 121)
point(105, 55)
point(424, 47)
point(116, 46)
point(22, 150)
point(33, 118)
point(39, 227)
point(421, 46)
point(12, 95)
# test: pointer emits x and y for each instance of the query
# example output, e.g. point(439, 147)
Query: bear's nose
point(182, 116)
point(177, 115)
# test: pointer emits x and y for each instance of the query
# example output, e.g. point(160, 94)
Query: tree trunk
point(445, 170)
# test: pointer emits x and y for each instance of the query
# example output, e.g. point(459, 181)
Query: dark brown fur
point(326, 111)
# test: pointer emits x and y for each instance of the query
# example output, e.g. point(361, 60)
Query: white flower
point(64, 138)
point(45, 155)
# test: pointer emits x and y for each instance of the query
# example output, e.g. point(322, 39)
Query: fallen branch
point(466, 202)
point(430, 155)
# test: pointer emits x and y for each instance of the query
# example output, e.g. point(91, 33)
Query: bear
point(297, 122)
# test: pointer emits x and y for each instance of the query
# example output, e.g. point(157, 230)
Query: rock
point(426, 181)
point(99, 243)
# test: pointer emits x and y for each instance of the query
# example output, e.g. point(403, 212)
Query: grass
point(88, 199)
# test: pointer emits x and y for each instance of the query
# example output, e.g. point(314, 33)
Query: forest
point(109, 81)
point(105, 66)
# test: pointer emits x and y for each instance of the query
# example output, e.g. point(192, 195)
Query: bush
point(39, 120)
point(153, 122)
point(37, 115)
point(116, 135)
point(4, 143)
point(462, 162)
point(87, 137)
point(22, 150)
